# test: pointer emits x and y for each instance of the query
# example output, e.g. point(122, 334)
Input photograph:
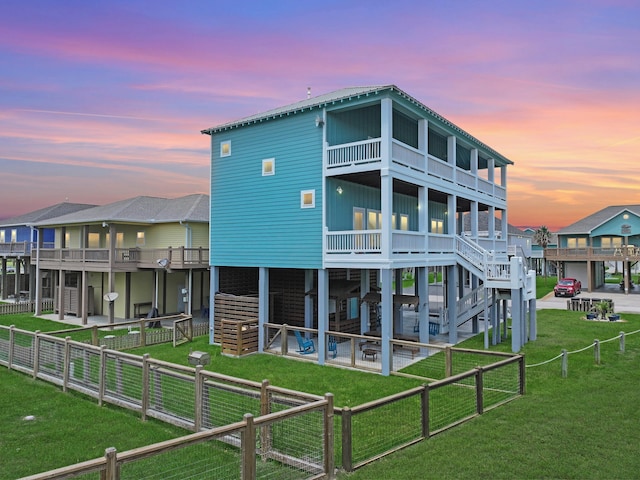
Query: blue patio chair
point(304, 346)
point(333, 346)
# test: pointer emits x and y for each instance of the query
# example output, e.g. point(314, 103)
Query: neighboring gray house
point(17, 239)
point(153, 252)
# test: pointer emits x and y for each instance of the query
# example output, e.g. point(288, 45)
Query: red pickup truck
point(567, 287)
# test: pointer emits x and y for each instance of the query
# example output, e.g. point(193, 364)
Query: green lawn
point(582, 426)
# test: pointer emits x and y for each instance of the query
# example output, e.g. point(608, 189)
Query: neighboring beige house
point(152, 252)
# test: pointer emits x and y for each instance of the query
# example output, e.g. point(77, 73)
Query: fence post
point(424, 397)
point(347, 443)
point(523, 369)
point(285, 339)
point(448, 367)
point(143, 334)
point(479, 390)
point(596, 350)
point(111, 469)
point(36, 354)
point(329, 461)
point(265, 409)
point(145, 386)
point(565, 361)
point(102, 380)
point(198, 400)
point(66, 364)
point(12, 339)
point(248, 449)
point(622, 342)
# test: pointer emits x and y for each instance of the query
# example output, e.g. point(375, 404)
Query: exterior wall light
point(339, 190)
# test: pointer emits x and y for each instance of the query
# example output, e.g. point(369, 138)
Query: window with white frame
point(308, 199)
point(225, 148)
point(139, 239)
point(268, 167)
point(14, 234)
point(2, 240)
point(437, 225)
point(611, 242)
point(576, 242)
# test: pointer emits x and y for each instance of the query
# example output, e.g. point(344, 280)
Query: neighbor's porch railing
point(178, 257)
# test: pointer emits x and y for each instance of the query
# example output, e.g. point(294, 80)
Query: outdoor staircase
point(494, 271)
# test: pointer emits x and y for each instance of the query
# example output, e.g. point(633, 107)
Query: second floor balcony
point(123, 259)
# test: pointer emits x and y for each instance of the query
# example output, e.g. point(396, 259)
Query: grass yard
point(583, 426)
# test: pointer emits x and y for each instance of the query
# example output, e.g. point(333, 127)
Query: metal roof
point(140, 210)
point(483, 224)
point(588, 224)
point(42, 214)
point(346, 94)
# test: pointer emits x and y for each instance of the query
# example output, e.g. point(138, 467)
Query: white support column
point(386, 197)
point(533, 320)
point(491, 223)
point(451, 214)
point(423, 136)
point(516, 319)
point(491, 170)
point(503, 176)
point(323, 312)
point(474, 221)
point(423, 215)
point(451, 150)
point(263, 304)
point(386, 181)
point(505, 226)
point(386, 132)
point(422, 277)
point(387, 320)
point(452, 302)
point(214, 286)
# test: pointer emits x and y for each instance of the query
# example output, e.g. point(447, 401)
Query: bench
point(137, 309)
point(407, 338)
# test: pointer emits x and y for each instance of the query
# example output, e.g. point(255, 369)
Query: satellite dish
point(110, 297)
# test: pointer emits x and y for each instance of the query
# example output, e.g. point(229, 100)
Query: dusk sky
point(102, 101)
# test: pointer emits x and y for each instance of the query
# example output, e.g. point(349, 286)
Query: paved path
point(622, 303)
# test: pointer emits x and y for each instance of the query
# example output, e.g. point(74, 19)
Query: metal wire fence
point(291, 446)
point(289, 431)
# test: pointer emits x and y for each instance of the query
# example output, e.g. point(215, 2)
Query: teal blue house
point(587, 247)
point(321, 207)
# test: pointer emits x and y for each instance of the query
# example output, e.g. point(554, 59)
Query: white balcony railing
point(407, 156)
point(403, 241)
point(354, 241)
point(355, 153)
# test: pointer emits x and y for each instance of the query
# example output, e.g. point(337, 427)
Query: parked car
point(567, 287)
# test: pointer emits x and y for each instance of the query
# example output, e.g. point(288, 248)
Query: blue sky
point(101, 101)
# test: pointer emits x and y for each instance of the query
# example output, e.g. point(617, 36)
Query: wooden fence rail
point(183, 396)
